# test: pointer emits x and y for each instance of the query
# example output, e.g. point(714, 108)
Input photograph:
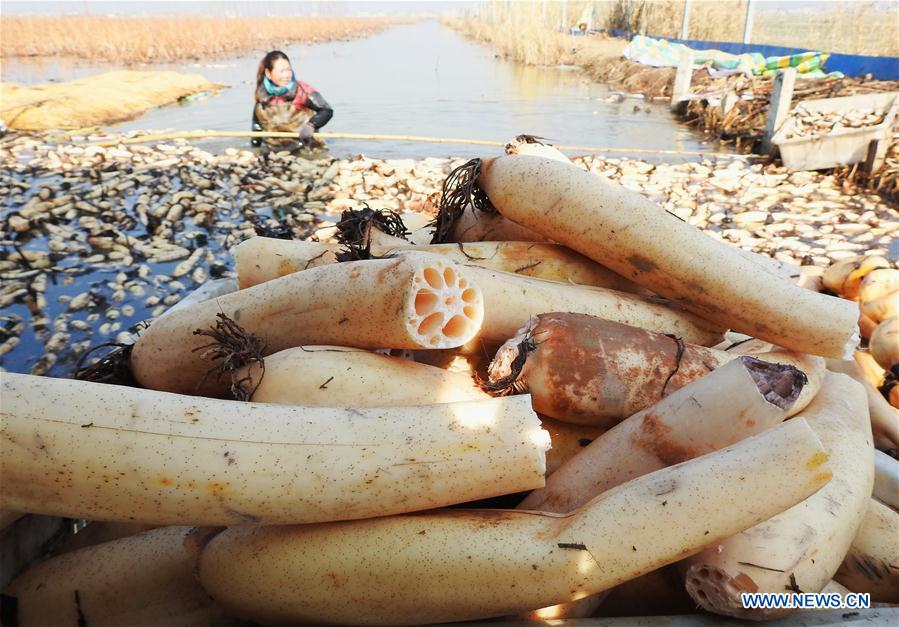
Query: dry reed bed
point(860, 27)
point(167, 39)
point(527, 41)
point(721, 20)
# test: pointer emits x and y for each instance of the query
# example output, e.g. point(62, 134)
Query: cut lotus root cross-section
point(446, 308)
point(410, 300)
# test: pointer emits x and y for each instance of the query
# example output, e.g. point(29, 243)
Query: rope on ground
point(408, 138)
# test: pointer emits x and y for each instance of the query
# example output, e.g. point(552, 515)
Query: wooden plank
point(729, 101)
point(682, 79)
point(685, 21)
point(747, 23)
point(779, 108)
point(877, 152)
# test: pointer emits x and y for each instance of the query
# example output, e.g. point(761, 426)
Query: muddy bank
point(96, 241)
point(96, 100)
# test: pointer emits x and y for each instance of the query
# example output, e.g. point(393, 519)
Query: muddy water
point(420, 79)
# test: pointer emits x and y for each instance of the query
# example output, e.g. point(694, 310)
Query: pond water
point(418, 79)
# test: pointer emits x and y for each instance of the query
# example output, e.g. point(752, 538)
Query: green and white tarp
point(662, 53)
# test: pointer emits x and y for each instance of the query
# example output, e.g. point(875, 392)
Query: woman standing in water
point(284, 103)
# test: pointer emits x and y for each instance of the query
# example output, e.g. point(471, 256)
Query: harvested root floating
point(103, 452)
point(630, 234)
point(466, 564)
point(588, 370)
point(415, 301)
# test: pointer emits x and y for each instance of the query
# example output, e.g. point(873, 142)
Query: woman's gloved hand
point(306, 133)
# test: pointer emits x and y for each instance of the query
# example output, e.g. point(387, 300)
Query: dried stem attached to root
point(355, 225)
point(281, 231)
point(460, 189)
point(510, 383)
point(413, 301)
point(890, 381)
point(524, 138)
point(235, 348)
point(355, 251)
point(114, 368)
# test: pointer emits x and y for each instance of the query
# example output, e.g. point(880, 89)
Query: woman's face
point(281, 73)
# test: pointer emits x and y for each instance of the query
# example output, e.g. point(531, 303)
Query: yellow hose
point(380, 137)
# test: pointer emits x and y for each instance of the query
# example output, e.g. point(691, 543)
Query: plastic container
point(841, 147)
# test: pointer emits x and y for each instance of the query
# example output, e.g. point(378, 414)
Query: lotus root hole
point(431, 324)
point(433, 278)
point(471, 311)
point(425, 302)
point(469, 295)
point(449, 276)
point(704, 573)
point(456, 327)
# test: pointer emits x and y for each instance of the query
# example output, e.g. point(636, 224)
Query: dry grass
point(129, 41)
point(95, 100)
point(860, 27)
point(866, 28)
point(721, 20)
point(520, 35)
